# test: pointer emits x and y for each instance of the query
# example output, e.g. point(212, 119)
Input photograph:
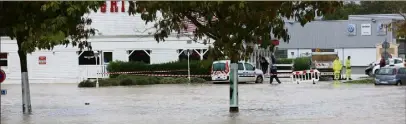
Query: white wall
point(117, 33)
point(361, 57)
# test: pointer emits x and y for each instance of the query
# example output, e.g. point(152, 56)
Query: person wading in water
point(274, 71)
point(264, 64)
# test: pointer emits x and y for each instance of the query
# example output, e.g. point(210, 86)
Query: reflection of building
point(356, 37)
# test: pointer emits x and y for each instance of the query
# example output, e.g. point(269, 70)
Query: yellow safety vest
point(337, 65)
point(348, 64)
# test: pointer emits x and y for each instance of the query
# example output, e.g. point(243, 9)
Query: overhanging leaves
point(45, 24)
point(231, 22)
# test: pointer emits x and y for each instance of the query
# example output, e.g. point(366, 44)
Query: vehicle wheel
point(371, 74)
point(259, 79)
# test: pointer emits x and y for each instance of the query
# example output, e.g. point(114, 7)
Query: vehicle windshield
point(219, 66)
point(386, 71)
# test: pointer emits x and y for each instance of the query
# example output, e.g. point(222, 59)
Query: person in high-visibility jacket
point(337, 68)
point(348, 68)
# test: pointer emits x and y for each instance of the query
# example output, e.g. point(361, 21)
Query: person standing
point(274, 71)
point(348, 68)
point(337, 68)
point(264, 64)
point(382, 62)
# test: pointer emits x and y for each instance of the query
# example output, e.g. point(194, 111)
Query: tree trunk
point(24, 77)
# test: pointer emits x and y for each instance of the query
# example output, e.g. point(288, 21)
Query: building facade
point(127, 38)
point(120, 37)
point(357, 38)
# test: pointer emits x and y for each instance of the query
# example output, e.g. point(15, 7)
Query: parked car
point(391, 75)
point(398, 62)
point(246, 72)
point(368, 70)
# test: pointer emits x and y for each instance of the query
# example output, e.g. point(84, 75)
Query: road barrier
point(282, 73)
point(138, 72)
point(305, 76)
point(148, 73)
point(170, 75)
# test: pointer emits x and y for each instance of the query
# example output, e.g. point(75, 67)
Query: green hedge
point(302, 63)
point(128, 80)
point(196, 67)
point(362, 81)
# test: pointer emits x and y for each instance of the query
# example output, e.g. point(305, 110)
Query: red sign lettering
point(113, 6)
point(42, 60)
point(103, 8)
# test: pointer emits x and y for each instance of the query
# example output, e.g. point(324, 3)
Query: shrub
point(123, 76)
point(362, 81)
point(302, 63)
point(109, 82)
point(181, 80)
point(126, 82)
point(154, 80)
point(197, 80)
point(141, 80)
point(197, 67)
point(87, 83)
point(167, 80)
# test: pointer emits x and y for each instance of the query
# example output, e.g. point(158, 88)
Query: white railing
point(90, 71)
point(284, 73)
point(305, 76)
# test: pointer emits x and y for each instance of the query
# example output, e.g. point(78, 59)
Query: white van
point(220, 72)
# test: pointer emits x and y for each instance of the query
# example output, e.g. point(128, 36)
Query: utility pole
point(234, 88)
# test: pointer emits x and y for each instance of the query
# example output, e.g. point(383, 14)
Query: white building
point(120, 37)
point(357, 37)
point(127, 38)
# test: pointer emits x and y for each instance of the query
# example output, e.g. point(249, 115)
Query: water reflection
point(206, 103)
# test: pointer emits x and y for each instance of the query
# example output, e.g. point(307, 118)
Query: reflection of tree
point(231, 93)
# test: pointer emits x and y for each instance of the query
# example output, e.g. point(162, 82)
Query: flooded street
point(288, 103)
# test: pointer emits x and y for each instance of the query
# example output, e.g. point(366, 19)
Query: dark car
point(391, 75)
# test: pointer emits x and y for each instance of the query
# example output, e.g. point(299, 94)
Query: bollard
point(234, 88)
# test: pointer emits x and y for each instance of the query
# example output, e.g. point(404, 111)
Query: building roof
point(376, 17)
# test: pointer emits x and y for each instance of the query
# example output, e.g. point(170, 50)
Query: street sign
point(3, 92)
point(385, 44)
point(2, 76)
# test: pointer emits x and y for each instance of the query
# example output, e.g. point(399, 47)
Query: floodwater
point(287, 103)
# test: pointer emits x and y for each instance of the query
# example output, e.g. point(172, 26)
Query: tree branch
point(200, 26)
point(402, 14)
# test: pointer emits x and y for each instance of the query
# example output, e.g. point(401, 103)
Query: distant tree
point(343, 12)
point(230, 23)
point(43, 25)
